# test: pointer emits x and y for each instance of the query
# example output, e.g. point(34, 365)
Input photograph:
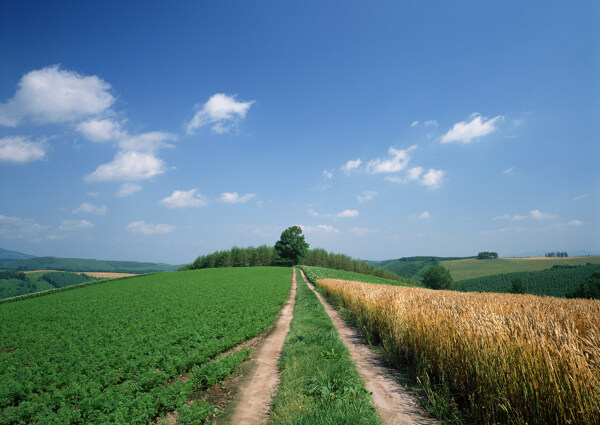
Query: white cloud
point(414, 124)
point(347, 214)
point(88, 208)
point(433, 178)
point(367, 195)
point(321, 228)
point(362, 230)
point(398, 160)
point(327, 174)
point(313, 213)
point(431, 123)
point(148, 228)
point(575, 223)
point(20, 228)
point(424, 215)
point(580, 197)
point(185, 198)
point(20, 150)
point(414, 173)
point(509, 170)
point(235, 198)
point(351, 165)
point(54, 95)
point(128, 166)
point(74, 225)
point(515, 217)
point(538, 215)
point(222, 111)
point(128, 189)
point(97, 130)
point(506, 230)
point(466, 132)
point(146, 142)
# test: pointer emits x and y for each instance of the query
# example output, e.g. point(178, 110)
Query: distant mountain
point(7, 256)
point(86, 265)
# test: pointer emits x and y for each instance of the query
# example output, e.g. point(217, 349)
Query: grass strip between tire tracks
point(319, 381)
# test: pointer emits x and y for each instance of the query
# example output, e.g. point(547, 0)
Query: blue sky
point(158, 131)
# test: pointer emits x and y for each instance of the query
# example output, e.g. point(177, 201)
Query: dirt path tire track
point(253, 400)
point(392, 402)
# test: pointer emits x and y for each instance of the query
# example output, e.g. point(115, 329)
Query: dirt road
point(392, 402)
point(253, 400)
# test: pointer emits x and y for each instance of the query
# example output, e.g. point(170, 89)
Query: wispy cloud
point(142, 227)
point(580, 197)
point(397, 161)
point(533, 214)
point(221, 111)
point(347, 214)
point(361, 231)
point(74, 225)
point(424, 215)
point(327, 174)
point(320, 228)
point(184, 198)
point(509, 170)
point(20, 150)
point(538, 215)
point(468, 131)
point(128, 189)
point(235, 198)
point(20, 228)
point(89, 208)
point(351, 165)
point(367, 195)
point(55, 95)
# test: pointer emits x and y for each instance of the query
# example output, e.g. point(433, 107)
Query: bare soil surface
point(394, 404)
point(255, 386)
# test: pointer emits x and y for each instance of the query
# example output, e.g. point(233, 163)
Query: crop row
point(507, 358)
point(106, 353)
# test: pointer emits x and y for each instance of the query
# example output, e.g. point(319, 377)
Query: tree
point(436, 277)
point(291, 246)
point(486, 255)
point(517, 286)
point(590, 288)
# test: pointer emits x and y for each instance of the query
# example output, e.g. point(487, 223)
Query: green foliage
point(590, 288)
point(410, 267)
point(319, 382)
point(436, 277)
point(195, 413)
point(291, 246)
point(555, 282)
point(517, 286)
point(487, 255)
point(315, 273)
point(87, 265)
point(111, 352)
point(11, 274)
point(62, 279)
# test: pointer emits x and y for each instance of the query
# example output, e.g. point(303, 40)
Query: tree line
point(557, 254)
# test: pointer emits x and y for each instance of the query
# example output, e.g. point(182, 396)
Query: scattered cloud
point(20, 150)
point(580, 197)
point(515, 217)
point(433, 178)
point(222, 111)
point(424, 216)
point(367, 195)
point(361, 231)
point(92, 194)
point(142, 227)
point(88, 208)
point(74, 225)
point(100, 130)
point(184, 198)
point(321, 228)
point(506, 230)
point(414, 173)
point(128, 166)
point(351, 165)
point(146, 142)
point(235, 198)
point(327, 174)
point(55, 95)
point(414, 124)
point(575, 223)
point(468, 131)
point(538, 215)
point(398, 160)
point(20, 228)
point(347, 214)
point(431, 123)
point(313, 213)
point(128, 189)
point(509, 170)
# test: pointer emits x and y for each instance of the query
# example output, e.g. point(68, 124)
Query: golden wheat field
point(509, 358)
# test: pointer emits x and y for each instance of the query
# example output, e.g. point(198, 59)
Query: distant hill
point(87, 265)
point(410, 267)
point(7, 256)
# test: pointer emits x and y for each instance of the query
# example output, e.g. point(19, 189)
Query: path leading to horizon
point(393, 403)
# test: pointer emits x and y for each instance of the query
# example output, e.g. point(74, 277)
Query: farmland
point(472, 268)
point(13, 283)
point(113, 352)
point(505, 358)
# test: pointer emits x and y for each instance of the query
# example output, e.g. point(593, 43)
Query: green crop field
point(314, 273)
point(112, 352)
point(472, 268)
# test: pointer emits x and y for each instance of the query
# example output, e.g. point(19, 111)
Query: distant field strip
point(509, 359)
point(112, 352)
point(472, 268)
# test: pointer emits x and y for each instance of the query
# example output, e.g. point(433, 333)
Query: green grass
point(319, 382)
point(111, 352)
point(472, 268)
point(315, 273)
point(554, 282)
point(87, 265)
